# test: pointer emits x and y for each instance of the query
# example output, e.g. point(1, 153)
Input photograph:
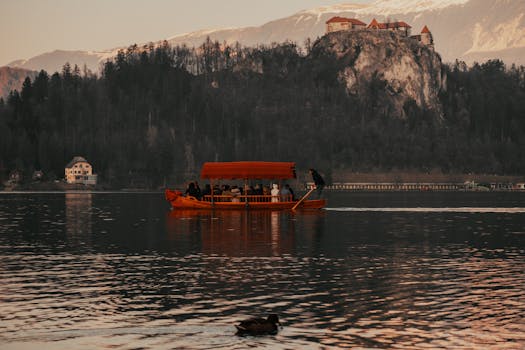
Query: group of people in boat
point(253, 193)
point(234, 193)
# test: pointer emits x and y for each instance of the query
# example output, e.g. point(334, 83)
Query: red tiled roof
point(338, 19)
point(400, 24)
point(376, 24)
point(425, 30)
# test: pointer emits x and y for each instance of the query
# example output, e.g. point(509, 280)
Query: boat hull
point(178, 201)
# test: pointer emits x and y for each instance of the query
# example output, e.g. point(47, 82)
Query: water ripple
point(336, 279)
point(514, 210)
point(319, 299)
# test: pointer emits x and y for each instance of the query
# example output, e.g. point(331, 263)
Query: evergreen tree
point(159, 112)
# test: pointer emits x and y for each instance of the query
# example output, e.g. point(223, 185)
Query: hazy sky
point(32, 27)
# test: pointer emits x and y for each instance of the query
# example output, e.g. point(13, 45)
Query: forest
point(156, 113)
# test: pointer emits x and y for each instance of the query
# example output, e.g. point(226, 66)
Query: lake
point(373, 270)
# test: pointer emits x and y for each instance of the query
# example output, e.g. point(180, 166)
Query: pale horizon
point(32, 27)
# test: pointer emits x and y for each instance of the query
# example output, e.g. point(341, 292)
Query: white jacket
point(275, 193)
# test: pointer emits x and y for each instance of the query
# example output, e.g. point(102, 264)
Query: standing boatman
point(318, 181)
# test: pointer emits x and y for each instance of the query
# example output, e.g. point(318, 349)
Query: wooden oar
point(302, 199)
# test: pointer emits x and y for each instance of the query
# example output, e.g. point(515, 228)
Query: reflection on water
point(243, 233)
point(78, 214)
point(436, 210)
point(121, 271)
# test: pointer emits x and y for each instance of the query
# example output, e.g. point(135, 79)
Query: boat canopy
point(248, 170)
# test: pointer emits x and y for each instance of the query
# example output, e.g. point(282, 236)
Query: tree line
point(158, 112)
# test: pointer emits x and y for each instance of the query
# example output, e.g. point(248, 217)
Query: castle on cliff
point(336, 24)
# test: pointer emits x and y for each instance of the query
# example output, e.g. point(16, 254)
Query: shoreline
point(59, 187)
point(357, 187)
point(339, 181)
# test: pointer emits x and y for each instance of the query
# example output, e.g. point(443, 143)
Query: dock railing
point(392, 186)
point(417, 186)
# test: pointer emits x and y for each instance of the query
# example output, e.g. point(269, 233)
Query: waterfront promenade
point(421, 186)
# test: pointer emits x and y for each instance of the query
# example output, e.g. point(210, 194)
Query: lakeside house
point(336, 24)
point(79, 171)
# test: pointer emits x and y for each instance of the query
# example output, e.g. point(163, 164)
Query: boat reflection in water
point(241, 232)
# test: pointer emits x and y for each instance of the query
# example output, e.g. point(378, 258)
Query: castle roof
point(388, 25)
point(374, 24)
point(338, 19)
point(425, 30)
point(399, 24)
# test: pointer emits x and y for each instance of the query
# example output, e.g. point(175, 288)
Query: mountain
point(53, 61)
point(12, 79)
point(469, 30)
point(356, 101)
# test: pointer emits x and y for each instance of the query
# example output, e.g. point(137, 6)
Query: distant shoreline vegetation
point(157, 113)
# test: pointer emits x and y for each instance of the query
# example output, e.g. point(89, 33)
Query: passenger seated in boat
point(249, 190)
point(292, 194)
point(206, 191)
point(235, 192)
point(258, 191)
point(192, 191)
point(266, 193)
point(226, 193)
point(198, 190)
point(275, 193)
point(286, 194)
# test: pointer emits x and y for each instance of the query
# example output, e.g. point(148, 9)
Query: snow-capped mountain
point(387, 7)
point(53, 61)
point(392, 7)
point(470, 30)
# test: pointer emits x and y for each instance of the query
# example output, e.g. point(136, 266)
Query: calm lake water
point(374, 270)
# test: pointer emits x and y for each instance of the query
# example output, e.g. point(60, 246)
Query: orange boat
point(246, 171)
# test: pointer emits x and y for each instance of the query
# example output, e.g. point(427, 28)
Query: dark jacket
point(318, 180)
point(193, 191)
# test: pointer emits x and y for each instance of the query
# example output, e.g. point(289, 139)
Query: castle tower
point(426, 37)
point(374, 25)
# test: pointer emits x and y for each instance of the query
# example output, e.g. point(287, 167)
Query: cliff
point(12, 79)
point(358, 101)
point(400, 68)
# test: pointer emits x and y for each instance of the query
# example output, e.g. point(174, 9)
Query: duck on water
point(259, 326)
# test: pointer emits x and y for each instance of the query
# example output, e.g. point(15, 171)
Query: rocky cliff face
point(402, 69)
point(12, 79)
